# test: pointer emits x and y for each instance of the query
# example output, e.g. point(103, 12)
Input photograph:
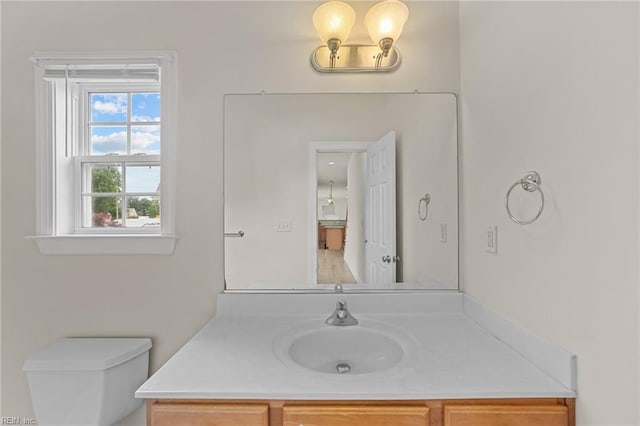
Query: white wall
point(424, 258)
point(553, 86)
point(223, 47)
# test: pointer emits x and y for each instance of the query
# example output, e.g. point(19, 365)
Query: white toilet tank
point(87, 381)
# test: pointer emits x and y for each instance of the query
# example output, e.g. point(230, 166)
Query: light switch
point(491, 241)
point(284, 227)
point(443, 232)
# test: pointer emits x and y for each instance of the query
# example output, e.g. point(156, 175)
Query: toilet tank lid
point(81, 353)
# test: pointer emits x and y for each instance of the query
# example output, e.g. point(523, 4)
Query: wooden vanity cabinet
point(491, 415)
point(355, 415)
point(202, 413)
point(479, 412)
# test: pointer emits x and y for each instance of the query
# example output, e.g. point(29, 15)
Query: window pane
point(145, 107)
point(105, 212)
point(145, 139)
point(108, 140)
point(143, 179)
point(143, 212)
point(102, 177)
point(108, 107)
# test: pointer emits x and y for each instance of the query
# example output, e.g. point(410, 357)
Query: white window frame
point(85, 89)
point(82, 211)
point(56, 152)
point(84, 155)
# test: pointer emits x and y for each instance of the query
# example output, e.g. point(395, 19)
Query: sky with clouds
point(109, 123)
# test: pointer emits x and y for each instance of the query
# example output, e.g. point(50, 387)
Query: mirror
point(281, 232)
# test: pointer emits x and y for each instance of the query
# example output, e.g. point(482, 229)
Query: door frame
point(314, 149)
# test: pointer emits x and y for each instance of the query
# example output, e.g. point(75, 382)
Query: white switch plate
point(491, 240)
point(443, 232)
point(284, 227)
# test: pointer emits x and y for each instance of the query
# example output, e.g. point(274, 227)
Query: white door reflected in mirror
point(380, 214)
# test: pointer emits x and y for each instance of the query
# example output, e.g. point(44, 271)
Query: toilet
point(87, 381)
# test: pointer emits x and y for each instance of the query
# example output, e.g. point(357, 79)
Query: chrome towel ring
point(424, 201)
point(529, 182)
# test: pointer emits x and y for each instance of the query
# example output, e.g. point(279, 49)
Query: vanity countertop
point(233, 356)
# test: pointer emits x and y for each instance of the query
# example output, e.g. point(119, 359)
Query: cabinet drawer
point(355, 415)
point(506, 415)
point(205, 414)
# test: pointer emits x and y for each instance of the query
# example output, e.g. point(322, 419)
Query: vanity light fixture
point(333, 22)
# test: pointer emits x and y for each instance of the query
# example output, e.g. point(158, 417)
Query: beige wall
point(266, 46)
point(553, 87)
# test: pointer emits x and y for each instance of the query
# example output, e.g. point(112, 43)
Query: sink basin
point(345, 350)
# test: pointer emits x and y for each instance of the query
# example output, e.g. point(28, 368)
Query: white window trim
point(49, 240)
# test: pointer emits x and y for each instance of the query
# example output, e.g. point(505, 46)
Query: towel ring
point(529, 182)
point(424, 200)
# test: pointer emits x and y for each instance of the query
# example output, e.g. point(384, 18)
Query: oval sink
point(345, 350)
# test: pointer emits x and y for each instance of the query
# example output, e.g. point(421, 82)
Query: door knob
point(386, 259)
point(396, 259)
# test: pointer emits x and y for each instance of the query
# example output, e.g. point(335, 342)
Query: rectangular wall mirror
point(355, 189)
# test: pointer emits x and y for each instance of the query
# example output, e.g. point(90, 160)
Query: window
point(119, 166)
point(106, 153)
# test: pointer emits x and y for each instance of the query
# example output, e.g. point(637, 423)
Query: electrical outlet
point(443, 232)
point(491, 241)
point(284, 227)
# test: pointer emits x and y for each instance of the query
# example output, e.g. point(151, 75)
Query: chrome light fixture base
point(355, 58)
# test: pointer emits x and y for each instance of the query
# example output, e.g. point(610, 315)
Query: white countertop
point(233, 356)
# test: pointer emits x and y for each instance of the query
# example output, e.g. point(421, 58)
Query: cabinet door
point(205, 414)
point(334, 238)
point(506, 415)
point(355, 415)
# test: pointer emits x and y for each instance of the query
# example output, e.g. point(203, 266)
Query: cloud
point(145, 140)
point(111, 104)
point(112, 143)
point(145, 118)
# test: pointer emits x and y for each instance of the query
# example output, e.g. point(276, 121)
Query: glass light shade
point(386, 20)
point(334, 20)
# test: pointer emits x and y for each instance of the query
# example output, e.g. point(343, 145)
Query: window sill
point(106, 244)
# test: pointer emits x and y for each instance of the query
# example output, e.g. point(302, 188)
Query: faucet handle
point(341, 315)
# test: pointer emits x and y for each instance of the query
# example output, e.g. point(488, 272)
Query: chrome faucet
point(341, 316)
